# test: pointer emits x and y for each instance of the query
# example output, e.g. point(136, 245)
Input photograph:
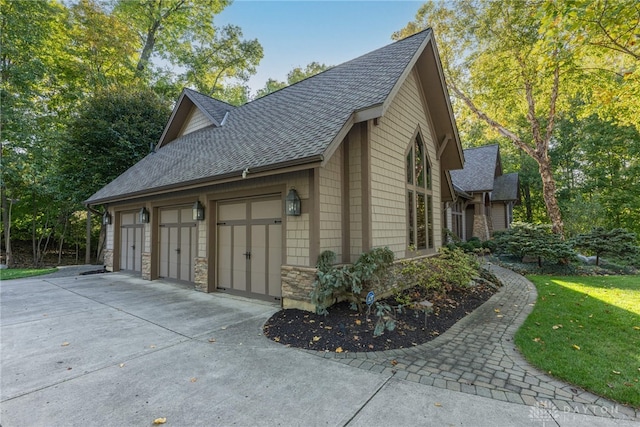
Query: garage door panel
point(264, 209)
point(173, 252)
point(225, 249)
point(164, 252)
point(239, 259)
point(258, 259)
point(232, 211)
point(137, 249)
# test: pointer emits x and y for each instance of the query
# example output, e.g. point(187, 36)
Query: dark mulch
point(346, 330)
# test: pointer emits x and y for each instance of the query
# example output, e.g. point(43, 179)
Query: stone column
point(108, 259)
point(201, 274)
point(297, 283)
point(146, 265)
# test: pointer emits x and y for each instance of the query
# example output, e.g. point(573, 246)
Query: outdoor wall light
point(106, 218)
point(198, 211)
point(144, 216)
point(293, 203)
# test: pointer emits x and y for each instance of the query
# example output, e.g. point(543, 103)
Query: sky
point(295, 33)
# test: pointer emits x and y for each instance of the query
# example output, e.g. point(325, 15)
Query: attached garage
point(249, 252)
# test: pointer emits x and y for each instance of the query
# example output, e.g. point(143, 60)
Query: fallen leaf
point(637, 328)
point(160, 420)
point(610, 385)
point(497, 310)
point(212, 340)
point(577, 347)
point(316, 339)
point(328, 327)
point(339, 350)
point(122, 365)
point(312, 321)
point(557, 326)
point(193, 380)
point(371, 348)
point(438, 404)
point(223, 328)
point(358, 322)
point(277, 339)
point(394, 362)
point(499, 316)
point(536, 339)
point(590, 316)
point(616, 372)
point(629, 384)
point(64, 344)
point(152, 346)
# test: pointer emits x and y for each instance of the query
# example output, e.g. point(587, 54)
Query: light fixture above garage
point(293, 203)
point(106, 218)
point(198, 211)
point(144, 215)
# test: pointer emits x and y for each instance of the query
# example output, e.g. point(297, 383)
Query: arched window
point(419, 197)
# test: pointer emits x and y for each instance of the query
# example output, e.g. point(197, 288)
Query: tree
point(606, 34)
point(617, 242)
point(294, 76)
point(500, 66)
point(534, 240)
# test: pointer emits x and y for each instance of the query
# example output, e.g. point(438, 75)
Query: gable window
point(419, 197)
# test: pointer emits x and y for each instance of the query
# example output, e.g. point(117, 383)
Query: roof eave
point(235, 176)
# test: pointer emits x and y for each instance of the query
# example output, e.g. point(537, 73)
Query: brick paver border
point(477, 356)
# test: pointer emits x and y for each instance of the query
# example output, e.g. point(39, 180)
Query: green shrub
point(348, 282)
point(619, 243)
point(534, 240)
point(451, 268)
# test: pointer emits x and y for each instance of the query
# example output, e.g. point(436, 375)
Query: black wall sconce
point(106, 218)
point(144, 216)
point(293, 203)
point(198, 211)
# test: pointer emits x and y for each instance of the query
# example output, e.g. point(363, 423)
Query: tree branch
point(552, 106)
point(495, 125)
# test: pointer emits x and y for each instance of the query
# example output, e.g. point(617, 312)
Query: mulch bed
point(345, 330)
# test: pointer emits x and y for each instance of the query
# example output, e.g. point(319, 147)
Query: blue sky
point(295, 33)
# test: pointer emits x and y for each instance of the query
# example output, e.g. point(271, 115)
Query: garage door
point(131, 240)
point(177, 242)
point(250, 247)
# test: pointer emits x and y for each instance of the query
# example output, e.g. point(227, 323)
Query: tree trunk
point(549, 195)
point(101, 242)
point(147, 50)
point(526, 193)
point(64, 231)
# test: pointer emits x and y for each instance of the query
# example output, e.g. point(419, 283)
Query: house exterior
point(366, 147)
point(485, 197)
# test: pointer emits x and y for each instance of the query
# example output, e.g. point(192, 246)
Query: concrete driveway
point(115, 350)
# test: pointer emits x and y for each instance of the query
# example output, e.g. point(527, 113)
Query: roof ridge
point(334, 67)
point(209, 97)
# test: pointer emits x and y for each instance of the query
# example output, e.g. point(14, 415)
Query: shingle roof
point(479, 169)
point(505, 187)
point(293, 125)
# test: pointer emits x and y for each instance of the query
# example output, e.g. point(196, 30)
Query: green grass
point(586, 331)
point(19, 273)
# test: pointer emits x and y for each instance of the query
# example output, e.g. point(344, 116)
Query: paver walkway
point(478, 356)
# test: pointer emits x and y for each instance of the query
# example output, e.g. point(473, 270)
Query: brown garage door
point(177, 242)
point(131, 241)
point(249, 254)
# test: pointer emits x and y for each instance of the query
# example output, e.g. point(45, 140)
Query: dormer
point(194, 111)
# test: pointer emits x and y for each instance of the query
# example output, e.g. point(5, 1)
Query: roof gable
point(191, 103)
point(506, 188)
point(482, 166)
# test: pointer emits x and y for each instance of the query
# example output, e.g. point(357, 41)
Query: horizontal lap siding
point(389, 142)
point(331, 205)
point(196, 120)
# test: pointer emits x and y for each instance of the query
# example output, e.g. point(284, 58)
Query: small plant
point(348, 282)
point(386, 318)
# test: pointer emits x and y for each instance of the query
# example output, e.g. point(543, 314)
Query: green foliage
point(114, 130)
point(19, 273)
point(533, 240)
point(348, 282)
point(386, 319)
point(618, 243)
point(451, 268)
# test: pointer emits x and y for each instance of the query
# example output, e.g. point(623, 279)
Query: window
point(419, 197)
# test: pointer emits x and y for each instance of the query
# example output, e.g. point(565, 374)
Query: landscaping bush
point(451, 268)
point(534, 240)
point(619, 243)
point(348, 282)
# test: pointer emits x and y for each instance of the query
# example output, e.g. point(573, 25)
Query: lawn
point(19, 273)
point(586, 331)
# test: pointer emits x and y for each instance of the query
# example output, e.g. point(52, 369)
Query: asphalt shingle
point(293, 124)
